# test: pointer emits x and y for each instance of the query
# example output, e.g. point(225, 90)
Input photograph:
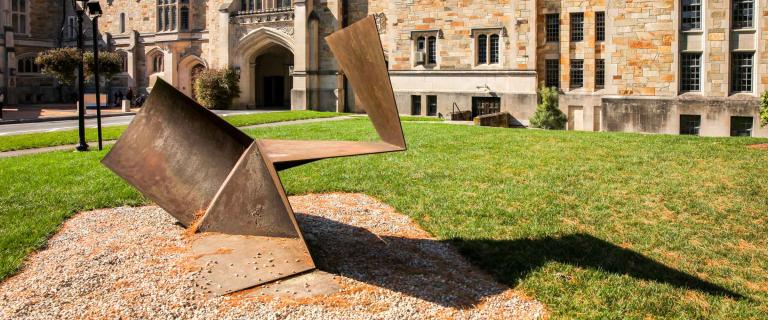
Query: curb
point(50, 119)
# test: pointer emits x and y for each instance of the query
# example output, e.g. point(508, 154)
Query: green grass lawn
point(594, 225)
point(58, 138)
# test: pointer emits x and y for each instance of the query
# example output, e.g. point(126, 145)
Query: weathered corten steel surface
point(224, 185)
point(360, 55)
point(176, 152)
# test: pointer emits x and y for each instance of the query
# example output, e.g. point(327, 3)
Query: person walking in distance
point(129, 96)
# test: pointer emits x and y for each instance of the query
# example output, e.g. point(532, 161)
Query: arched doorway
point(193, 76)
point(272, 81)
point(264, 58)
point(189, 67)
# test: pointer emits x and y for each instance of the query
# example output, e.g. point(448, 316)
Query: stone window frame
point(484, 37)
point(71, 28)
point(430, 99)
point(552, 73)
point(415, 105)
point(694, 22)
point(19, 16)
point(155, 61)
point(743, 14)
point(576, 82)
point(741, 83)
point(121, 22)
point(599, 74)
point(691, 64)
point(552, 27)
point(742, 126)
point(169, 15)
point(600, 26)
point(25, 64)
point(426, 41)
point(690, 124)
point(124, 59)
point(577, 26)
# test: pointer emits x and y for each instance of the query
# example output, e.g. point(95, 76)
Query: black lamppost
point(81, 145)
point(94, 11)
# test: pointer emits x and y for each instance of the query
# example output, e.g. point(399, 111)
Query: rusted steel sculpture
point(222, 184)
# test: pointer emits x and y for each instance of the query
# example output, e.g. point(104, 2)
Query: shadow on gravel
point(426, 269)
point(514, 259)
point(434, 271)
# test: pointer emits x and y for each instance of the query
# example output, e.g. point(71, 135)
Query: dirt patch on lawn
point(375, 263)
point(762, 146)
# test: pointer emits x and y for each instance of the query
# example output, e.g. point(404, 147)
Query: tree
point(110, 64)
point(764, 109)
point(548, 115)
point(60, 63)
point(217, 88)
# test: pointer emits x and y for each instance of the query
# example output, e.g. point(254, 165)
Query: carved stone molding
point(381, 22)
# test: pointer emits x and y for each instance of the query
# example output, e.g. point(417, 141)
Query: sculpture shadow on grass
point(514, 259)
point(430, 270)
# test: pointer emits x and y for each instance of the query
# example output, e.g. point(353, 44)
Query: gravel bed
point(130, 263)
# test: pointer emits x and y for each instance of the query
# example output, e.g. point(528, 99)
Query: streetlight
point(94, 11)
point(81, 145)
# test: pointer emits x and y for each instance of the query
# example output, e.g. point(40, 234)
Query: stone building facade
point(660, 66)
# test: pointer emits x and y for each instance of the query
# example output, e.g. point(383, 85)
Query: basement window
point(741, 126)
point(690, 124)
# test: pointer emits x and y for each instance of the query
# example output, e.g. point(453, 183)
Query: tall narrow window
point(600, 26)
point(494, 52)
point(432, 50)
point(421, 50)
point(432, 106)
point(743, 14)
point(691, 15)
point(19, 15)
point(167, 15)
point(577, 26)
point(599, 73)
point(577, 74)
point(690, 72)
point(415, 105)
point(157, 62)
point(553, 73)
point(71, 31)
point(184, 17)
point(122, 22)
point(482, 49)
point(553, 27)
point(741, 67)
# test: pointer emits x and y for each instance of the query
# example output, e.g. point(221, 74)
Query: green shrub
point(764, 109)
point(548, 115)
point(110, 64)
point(217, 88)
point(60, 63)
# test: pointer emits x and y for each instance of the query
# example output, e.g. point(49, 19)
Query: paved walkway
point(94, 145)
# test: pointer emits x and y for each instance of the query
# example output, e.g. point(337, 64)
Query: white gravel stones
point(131, 263)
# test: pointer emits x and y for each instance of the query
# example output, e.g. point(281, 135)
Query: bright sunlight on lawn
point(595, 225)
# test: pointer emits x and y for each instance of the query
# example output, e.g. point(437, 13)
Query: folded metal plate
point(231, 263)
point(250, 203)
point(289, 153)
point(176, 152)
point(357, 48)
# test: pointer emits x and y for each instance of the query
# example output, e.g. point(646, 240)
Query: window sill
point(745, 30)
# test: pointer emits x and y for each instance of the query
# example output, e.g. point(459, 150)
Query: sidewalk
point(93, 145)
point(51, 112)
